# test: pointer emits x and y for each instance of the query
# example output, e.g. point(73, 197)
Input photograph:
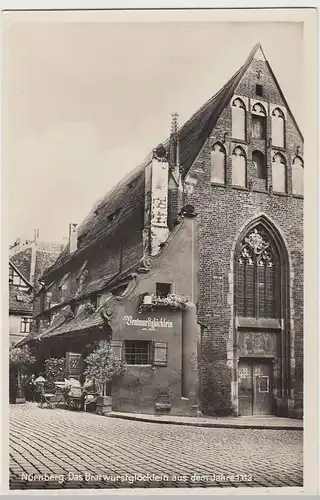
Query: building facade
point(214, 214)
point(27, 261)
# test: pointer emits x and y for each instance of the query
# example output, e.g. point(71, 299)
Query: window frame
point(25, 324)
point(136, 341)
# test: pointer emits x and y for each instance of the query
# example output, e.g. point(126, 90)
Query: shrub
point(55, 370)
point(103, 366)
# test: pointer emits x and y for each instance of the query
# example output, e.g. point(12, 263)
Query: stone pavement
point(257, 422)
point(65, 449)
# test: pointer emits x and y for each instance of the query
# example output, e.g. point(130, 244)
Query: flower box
point(172, 301)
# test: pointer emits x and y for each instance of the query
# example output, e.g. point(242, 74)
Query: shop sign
point(148, 324)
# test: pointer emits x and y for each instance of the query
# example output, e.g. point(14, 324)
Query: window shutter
point(160, 353)
point(116, 346)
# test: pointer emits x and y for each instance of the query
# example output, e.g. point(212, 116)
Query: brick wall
point(222, 211)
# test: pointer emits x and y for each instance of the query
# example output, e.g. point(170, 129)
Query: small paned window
point(25, 325)
point(137, 352)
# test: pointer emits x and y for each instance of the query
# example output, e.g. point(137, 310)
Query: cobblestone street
point(76, 448)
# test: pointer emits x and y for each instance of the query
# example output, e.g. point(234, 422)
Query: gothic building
point(214, 215)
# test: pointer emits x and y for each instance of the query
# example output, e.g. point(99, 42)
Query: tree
point(20, 358)
point(103, 366)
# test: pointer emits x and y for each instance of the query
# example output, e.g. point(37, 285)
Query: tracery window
point(257, 276)
point(238, 120)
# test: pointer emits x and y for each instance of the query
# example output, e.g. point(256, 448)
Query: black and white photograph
point(154, 179)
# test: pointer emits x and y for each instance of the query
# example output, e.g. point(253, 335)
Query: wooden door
point(255, 390)
point(73, 365)
point(262, 389)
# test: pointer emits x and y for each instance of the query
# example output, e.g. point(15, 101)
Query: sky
point(84, 102)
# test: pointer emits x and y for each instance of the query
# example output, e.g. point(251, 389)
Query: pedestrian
point(31, 388)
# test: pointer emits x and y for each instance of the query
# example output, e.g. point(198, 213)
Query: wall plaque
point(147, 324)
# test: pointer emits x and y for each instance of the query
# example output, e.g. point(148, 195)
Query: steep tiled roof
point(19, 301)
point(46, 254)
point(108, 213)
point(64, 324)
point(22, 261)
point(128, 194)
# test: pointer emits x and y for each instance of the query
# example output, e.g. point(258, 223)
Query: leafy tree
point(103, 366)
point(20, 358)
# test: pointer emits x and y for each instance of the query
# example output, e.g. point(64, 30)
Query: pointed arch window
point(297, 175)
point(238, 120)
point(278, 128)
point(259, 165)
point(257, 276)
point(258, 121)
point(279, 181)
point(218, 164)
point(239, 167)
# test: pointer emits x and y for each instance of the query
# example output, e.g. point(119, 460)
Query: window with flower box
point(163, 289)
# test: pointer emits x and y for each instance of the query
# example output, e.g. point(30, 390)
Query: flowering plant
point(172, 301)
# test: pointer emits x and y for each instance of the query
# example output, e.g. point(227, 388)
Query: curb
point(209, 424)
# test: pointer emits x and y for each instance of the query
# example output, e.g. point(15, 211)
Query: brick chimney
point(73, 237)
point(156, 201)
point(36, 235)
point(175, 187)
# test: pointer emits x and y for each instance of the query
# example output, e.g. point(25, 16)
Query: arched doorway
point(261, 336)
